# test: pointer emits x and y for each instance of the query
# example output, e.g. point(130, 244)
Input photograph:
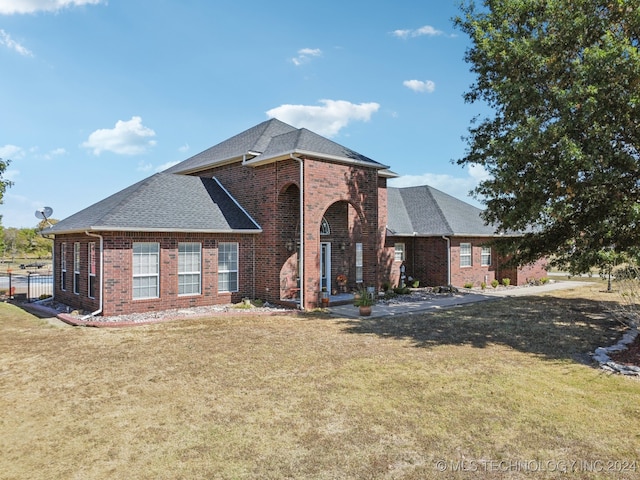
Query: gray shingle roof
point(425, 211)
point(268, 141)
point(163, 202)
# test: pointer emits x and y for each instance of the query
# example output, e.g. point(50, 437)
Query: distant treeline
point(24, 243)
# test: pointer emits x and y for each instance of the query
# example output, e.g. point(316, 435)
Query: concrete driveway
point(436, 302)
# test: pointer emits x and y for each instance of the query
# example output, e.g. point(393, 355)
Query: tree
point(4, 184)
point(562, 79)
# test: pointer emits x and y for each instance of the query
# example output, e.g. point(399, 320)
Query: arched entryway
point(332, 260)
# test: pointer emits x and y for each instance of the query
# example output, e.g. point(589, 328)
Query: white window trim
point(91, 266)
point(399, 248)
point(325, 228)
point(228, 271)
point(147, 275)
point(468, 256)
point(63, 266)
point(359, 263)
point(486, 251)
point(198, 272)
point(76, 268)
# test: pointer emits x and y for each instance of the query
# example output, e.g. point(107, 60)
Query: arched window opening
point(325, 229)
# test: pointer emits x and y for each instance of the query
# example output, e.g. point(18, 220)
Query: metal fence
point(27, 287)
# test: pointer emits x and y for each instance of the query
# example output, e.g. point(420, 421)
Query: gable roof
point(164, 203)
point(271, 141)
point(426, 211)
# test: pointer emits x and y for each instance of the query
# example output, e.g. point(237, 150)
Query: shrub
point(483, 285)
point(495, 283)
point(468, 285)
point(544, 280)
point(506, 282)
point(415, 284)
point(363, 299)
point(401, 290)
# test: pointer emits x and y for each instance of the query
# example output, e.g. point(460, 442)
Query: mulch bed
point(630, 356)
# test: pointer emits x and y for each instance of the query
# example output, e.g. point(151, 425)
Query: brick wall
point(118, 273)
point(268, 194)
point(526, 273)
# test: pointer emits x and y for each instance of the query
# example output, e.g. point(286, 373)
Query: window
point(227, 267)
point(76, 268)
point(325, 229)
point(398, 254)
point(146, 269)
point(63, 266)
point(189, 268)
point(359, 278)
point(92, 269)
point(486, 256)
point(465, 254)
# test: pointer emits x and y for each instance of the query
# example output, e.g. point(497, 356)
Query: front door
point(325, 266)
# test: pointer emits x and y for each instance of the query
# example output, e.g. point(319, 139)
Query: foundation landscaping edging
point(601, 354)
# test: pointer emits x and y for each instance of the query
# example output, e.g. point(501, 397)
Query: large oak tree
point(562, 80)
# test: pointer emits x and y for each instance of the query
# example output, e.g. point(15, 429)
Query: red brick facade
point(353, 201)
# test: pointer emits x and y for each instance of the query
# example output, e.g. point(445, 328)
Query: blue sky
point(98, 94)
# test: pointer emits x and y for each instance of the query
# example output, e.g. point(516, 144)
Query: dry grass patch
point(315, 397)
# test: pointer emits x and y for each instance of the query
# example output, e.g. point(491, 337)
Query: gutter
point(448, 240)
point(301, 254)
point(93, 314)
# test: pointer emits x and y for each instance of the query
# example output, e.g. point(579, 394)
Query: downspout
point(448, 240)
point(53, 268)
point(93, 314)
point(301, 254)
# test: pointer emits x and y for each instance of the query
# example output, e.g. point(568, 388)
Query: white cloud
point(305, 54)
point(56, 152)
point(326, 120)
point(427, 30)
point(11, 44)
point(127, 138)
point(11, 152)
point(144, 166)
point(420, 86)
point(458, 187)
point(9, 7)
point(184, 148)
point(164, 166)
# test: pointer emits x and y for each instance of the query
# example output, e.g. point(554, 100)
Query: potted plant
point(324, 297)
point(364, 300)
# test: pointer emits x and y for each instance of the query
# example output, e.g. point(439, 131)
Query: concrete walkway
point(453, 300)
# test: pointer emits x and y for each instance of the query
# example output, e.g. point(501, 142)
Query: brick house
point(276, 213)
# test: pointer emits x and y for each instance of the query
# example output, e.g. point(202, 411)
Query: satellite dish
point(44, 213)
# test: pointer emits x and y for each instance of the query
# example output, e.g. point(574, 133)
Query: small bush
point(415, 284)
point(506, 282)
point(386, 286)
point(401, 290)
point(483, 285)
point(468, 285)
point(495, 283)
point(544, 280)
